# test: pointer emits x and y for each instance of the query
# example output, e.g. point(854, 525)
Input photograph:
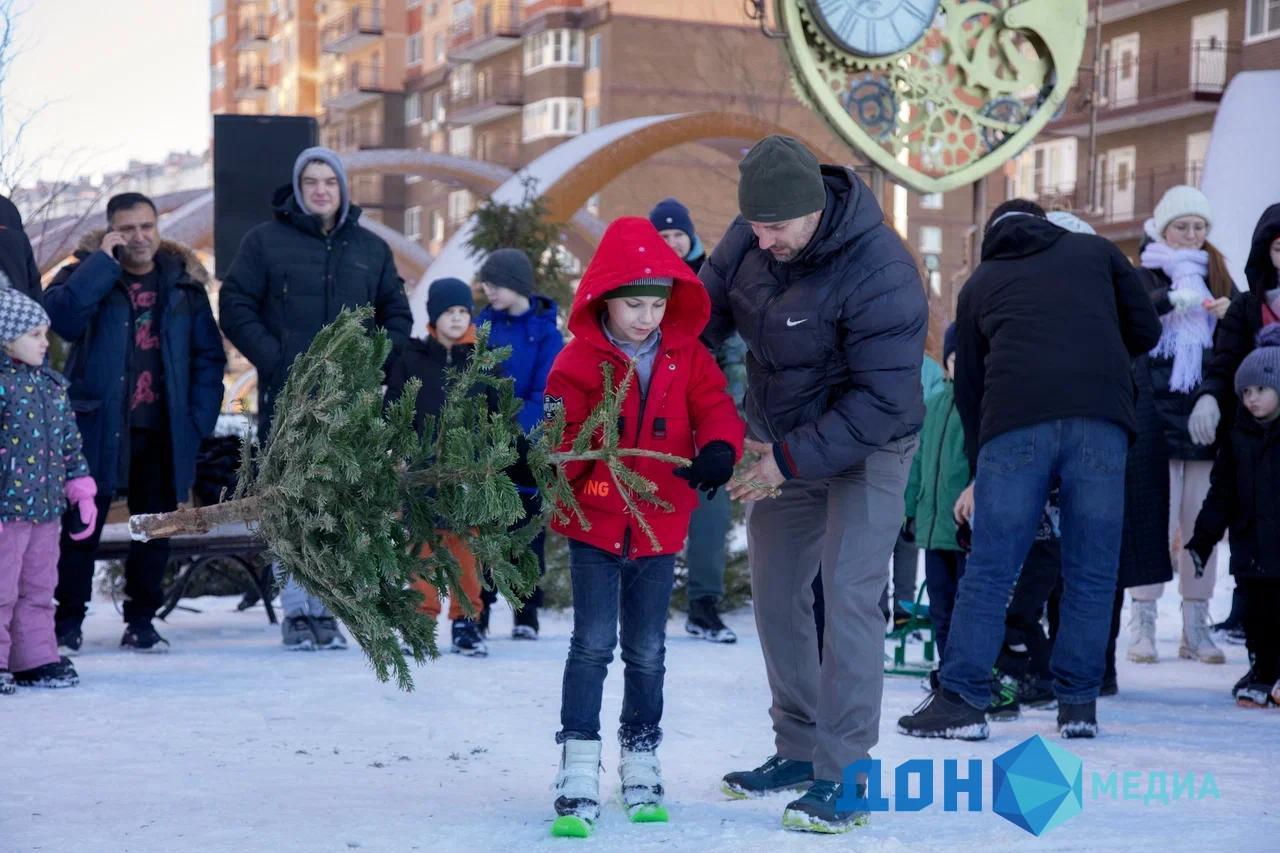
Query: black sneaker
point(1251, 692)
point(1078, 720)
point(1034, 693)
point(945, 715)
point(51, 675)
point(819, 811)
point(1004, 705)
point(467, 640)
point(7, 684)
point(776, 774)
point(327, 633)
point(704, 621)
point(297, 633)
point(526, 624)
point(69, 642)
point(144, 638)
point(1110, 687)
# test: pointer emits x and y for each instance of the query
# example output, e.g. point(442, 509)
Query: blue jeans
point(1015, 472)
point(942, 573)
point(608, 588)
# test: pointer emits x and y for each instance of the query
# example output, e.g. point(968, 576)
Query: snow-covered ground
point(230, 744)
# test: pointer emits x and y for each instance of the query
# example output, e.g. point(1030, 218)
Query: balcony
point(1126, 200)
point(1151, 87)
point(493, 96)
point(493, 28)
point(355, 136)
point(253, 34)
point(506, 154)
point(360, 84)
point(252, 83)
point(356, 28)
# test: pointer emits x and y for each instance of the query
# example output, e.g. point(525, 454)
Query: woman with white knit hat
point(1191, 290)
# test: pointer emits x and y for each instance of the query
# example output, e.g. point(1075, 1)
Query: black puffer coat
point(834, 338)
point(289, 280)
point(1244, 496)
point(1238, 331)
point(1144, 545)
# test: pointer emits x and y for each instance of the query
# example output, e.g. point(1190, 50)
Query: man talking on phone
point(145, 371)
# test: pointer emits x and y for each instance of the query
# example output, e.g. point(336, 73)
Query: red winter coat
point(685, 409)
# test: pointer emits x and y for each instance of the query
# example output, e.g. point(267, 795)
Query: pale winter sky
point(115, 80)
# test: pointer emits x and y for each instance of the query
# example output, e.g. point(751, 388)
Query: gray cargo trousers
point(827, 713)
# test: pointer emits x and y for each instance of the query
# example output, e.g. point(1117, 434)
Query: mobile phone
point(117, 252)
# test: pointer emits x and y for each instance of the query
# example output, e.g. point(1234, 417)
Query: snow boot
point(819, 811)
point(1034, 692)
point(51, 675)
point(945, 715)
point(776, 774)
point(1251, 691)
point(144, 638)
point(328, 634)
point(467, 640)
point(642, 785)
point(525, 625)
point(7, 684)
point(1197, 642)
point(704, 621)
point(577, 789)
point(1078, 720)
point(69, 641)
point(1142, 632)
point(297, 634)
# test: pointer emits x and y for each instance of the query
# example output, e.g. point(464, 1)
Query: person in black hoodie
point(1046, 329)
point(290, 278)
point(17, 260)
point(449, 344)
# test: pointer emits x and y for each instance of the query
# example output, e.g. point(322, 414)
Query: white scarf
point(1187, 333)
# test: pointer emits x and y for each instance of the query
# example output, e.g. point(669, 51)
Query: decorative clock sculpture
point(938, 93)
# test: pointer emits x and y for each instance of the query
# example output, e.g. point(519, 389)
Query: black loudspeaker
point(252, 156)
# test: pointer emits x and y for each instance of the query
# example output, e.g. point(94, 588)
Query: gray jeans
point(294, 600)
point(827, 713)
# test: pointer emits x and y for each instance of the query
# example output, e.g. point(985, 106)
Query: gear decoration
point(984, 78)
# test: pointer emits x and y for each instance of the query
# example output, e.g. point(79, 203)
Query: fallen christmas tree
point(346, 494)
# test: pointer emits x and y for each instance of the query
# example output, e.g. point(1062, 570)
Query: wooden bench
point(233, 544)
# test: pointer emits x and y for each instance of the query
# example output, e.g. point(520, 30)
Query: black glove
point(520, 473)
point(964, 537)
point(909, 531)
point(710, 469)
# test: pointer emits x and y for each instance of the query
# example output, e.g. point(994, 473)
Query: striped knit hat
point(660, 287)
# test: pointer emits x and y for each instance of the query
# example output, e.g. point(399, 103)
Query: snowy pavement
point(231, 744)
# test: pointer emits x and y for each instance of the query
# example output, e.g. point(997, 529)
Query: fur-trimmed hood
point(91, 240)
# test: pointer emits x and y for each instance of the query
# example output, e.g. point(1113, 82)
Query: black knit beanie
point(509, 268)
point(446, 293)
point(780, 180)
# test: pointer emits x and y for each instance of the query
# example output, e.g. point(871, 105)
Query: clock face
point(875, 27)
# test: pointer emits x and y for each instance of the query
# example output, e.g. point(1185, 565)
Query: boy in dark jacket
point(638, 304)
point(42, 468)
point(1244, 496)
point(449, 344)
point(526, 322)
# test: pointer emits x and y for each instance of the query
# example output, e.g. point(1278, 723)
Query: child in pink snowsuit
point(41, 468)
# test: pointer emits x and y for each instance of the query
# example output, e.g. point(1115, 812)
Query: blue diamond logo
point(1037, 785)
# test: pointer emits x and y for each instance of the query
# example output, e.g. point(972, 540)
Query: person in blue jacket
point(526, 322)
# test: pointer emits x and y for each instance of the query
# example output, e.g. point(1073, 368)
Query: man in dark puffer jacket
point(289, 280)
point(831, 308)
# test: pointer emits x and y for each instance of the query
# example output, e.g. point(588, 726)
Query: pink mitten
point(81, 492)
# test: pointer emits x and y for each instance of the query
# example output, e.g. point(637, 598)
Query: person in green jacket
point(939, 473)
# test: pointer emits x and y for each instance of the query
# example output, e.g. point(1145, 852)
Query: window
point(433, 9)
point(593, 51)
point(593, 118)
point(276, 53)
point(413, 4)
point(437, 48)
point(1197, 154)
point(413, 223)
point(218, 29)
point(438, 108)
point(219, 75)
point(217, 7)
point(410, 180)
point(460, 82)
point(931, 201)
point(1045, 170)
point(930, 239)
point(437, 226)
point(1263, 18)
point(415, 49)
point(551, 48)
point(459, 206)
point(460, 141)
point(412, 108)
point(552, 117)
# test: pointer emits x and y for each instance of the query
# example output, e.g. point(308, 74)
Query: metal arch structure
point(569, 174)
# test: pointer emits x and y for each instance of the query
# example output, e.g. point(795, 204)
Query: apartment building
point(263, 57)
point(1160, 75)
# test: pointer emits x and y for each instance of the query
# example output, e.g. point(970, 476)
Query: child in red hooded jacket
point(637, 303)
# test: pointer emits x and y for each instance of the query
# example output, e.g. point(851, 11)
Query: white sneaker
point(1197, 639)
point(1142, 632)
point(641, 778)
point(578, 780)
